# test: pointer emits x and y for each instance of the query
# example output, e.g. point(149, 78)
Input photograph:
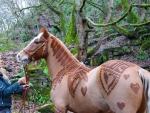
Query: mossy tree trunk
point(71, 36)
point(81, 24)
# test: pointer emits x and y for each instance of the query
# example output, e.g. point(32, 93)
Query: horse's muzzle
point(22, 59)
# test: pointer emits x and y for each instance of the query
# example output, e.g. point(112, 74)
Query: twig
point(82, 5)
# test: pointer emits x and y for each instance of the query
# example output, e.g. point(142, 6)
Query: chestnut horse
point(116, 86)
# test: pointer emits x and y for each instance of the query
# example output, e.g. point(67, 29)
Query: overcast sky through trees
point(11, 12)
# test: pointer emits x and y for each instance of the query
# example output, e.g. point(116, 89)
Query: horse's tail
point(145, 77)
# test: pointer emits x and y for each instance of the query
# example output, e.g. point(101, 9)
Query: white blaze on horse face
point(22, 56)
point(32, 41)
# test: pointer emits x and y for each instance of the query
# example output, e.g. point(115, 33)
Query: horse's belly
point(88, 97)
point(91, 103)
point(85, 109)
point(89, 109)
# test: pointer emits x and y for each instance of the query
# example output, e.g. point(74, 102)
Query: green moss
point(72, 36)
point(74, 51)
point(123, 30)
point(62, 22)
point(48, 108)
point(132, 18)
point(91, 51)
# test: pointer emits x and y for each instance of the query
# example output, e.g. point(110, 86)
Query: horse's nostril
point(18, 56)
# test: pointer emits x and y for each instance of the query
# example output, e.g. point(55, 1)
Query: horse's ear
point(45, 32)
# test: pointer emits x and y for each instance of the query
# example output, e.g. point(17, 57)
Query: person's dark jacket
point(6, 90)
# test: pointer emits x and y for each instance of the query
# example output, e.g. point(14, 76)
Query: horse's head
point(36, 49)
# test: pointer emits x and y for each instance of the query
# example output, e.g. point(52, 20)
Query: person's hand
point(22, 80)
point(0, 63)
point(27, 86)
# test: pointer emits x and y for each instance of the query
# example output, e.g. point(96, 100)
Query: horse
point(116, 86)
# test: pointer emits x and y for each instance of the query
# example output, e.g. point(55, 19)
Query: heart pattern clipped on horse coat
point(135, 87)
point(121, 105)
point(126, 76)
point(84, 90)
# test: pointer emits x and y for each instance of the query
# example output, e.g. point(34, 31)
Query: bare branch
point(30, 7)
point(51, 7)
point(60, 3)
point(138, 25)
point(94, 5)
point(141, 5)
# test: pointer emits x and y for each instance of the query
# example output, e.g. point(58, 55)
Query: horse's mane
point(61, 52)
point(71, 66)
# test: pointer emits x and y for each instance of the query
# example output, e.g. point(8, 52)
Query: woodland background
point(93, 30)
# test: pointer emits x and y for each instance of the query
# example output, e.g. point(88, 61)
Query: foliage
point(39, 95)
point(145, 45)
point(5, 43)
point(98, 60)
point(138, 42)
point(142, 55)
point(126, 49)
point(90, 52)
point(74, 51)
point(43, 66)
point(132, 16)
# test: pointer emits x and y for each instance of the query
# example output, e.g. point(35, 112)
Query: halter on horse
point(116, 86)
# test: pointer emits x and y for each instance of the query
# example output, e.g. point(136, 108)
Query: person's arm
point(5, 91)
point(19, 89)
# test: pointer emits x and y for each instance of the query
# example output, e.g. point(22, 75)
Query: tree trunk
point(82, 34)
point(109, 6)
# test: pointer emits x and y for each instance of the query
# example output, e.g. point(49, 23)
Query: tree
point(82, 20)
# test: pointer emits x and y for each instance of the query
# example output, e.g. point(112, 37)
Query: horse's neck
point(60, 60)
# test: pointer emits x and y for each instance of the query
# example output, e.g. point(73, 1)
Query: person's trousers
point(6, 110)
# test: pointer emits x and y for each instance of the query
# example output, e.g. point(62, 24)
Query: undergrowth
point(5, 43)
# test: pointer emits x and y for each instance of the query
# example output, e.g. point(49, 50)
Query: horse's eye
point(36, 42)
